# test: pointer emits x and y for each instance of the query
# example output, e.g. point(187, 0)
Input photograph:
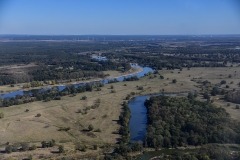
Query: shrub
point(47, 99)
point(38, 115)
point(61, 149)
point(237, 106)
point(174, 81)
point(1, 115)
point(140, 88)
point(98, 130)
point(8, 149)
point(57, 98)
point(95, 147)
point(15, 147)
point(113, 91)
point(25, 146)
point(84, 97)
point(33, 147)
point(104, 116)
point(44, 144)
point(90, 127)
point(64, 129)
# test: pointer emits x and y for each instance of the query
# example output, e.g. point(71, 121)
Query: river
point(138, 121)
point(104, 81)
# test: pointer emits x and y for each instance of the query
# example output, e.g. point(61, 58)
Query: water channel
point(138, 121)
point(105, 81)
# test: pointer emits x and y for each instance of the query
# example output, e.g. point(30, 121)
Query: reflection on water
point(138, 119)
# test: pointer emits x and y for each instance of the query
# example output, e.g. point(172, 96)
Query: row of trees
point(124, 119)
point(47, 95)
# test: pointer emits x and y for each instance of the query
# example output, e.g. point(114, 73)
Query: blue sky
point(120, 17)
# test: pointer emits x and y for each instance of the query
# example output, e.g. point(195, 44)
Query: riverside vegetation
point(91, 121)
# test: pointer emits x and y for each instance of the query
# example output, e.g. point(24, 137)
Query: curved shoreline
point(138, 70)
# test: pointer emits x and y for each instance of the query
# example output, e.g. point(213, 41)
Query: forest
point(66, 58)
point(174, 122)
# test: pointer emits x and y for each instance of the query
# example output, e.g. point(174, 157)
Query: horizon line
point(120, 34)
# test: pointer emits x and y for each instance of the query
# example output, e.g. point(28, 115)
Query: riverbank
point(6, 89)
point(65, 113)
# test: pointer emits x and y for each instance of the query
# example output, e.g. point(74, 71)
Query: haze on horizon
point(108, 17)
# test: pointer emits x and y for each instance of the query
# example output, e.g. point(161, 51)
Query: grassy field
point(21, 126)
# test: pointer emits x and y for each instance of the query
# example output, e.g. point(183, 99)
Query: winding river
point(138, 121)
point(105, 81)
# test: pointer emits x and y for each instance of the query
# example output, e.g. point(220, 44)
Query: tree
point(174, 81)
point(51, 143)
point(166, 142)
point(237, 106)
point(111, 86)
point(61, 149)
point(90, 127)
point(206, 96)
point(44, 144)
point(136, 147)
point(190, 95)
point(223, 82)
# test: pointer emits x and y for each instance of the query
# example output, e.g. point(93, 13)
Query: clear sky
point(120, 17)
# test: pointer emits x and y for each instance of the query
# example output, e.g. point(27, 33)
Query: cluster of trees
point(17, 100)
point(46, 144)
point(122, 151)
point(233, 96)
point(170, 62)
point(82, 68)
point(59, 63)
point(176, 122)
point(133, 78)
point(94, 106)
point(26, 146)
point(206, 152)
point(124, 119)
point(114, 80)
point(216, 91)
point(19, 147)
point(48, 95)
